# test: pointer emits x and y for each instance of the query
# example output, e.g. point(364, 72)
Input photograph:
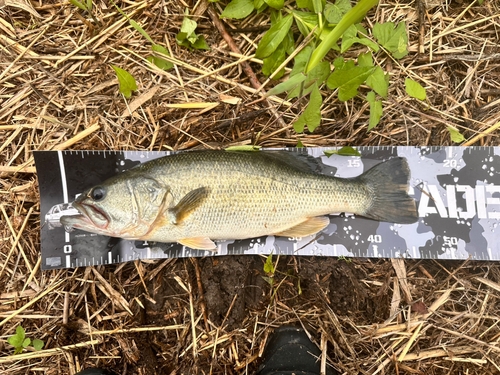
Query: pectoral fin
point(190, 202)
point(200, 243)
point(310, 226)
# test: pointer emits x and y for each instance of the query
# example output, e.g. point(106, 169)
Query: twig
point(200, 291)
point(246, 66)
point(48, 352)
point(18, 237)
point(481, 135)
point(77, 138)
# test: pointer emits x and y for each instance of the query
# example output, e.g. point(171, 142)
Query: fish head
point(122, 207)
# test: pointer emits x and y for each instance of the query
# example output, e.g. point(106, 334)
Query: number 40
point(377, 238)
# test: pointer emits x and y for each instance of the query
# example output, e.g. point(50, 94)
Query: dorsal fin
point(299, 160)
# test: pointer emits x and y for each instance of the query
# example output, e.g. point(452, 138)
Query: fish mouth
point(89, 218)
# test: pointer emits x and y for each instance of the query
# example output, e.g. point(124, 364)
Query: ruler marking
point(481, 201)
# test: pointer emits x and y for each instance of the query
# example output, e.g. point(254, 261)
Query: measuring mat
point(456, 189)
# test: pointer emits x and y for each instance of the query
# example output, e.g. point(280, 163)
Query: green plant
point(347, 260)
point(85, 6)
point(19, 341)
point(126, 80)
point(271, 271)
point(188, 38)
point(344, 151)
point(327, 23)
point(414, 89)
point(455, 135)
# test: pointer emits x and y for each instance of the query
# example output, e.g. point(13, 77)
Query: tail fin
point(388, 182)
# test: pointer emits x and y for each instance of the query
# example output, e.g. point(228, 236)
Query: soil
point(236, 294)
point(233, 286)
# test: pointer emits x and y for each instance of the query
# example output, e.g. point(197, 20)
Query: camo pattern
point(457, 191)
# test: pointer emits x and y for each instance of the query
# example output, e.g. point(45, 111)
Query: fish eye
point(97, 193)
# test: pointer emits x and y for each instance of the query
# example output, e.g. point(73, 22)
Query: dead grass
point(58, 91)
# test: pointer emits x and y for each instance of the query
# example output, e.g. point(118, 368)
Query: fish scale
point(236, 195)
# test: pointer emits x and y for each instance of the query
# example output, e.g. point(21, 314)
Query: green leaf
point(269, 266)
point(201, 43)
point(317, 75)
point(119, 10)
point(78, 4)
point(361, 31)
point(300, 61)
point(344, 151)
point(366, 42)
point(312, 114)
point(289, 42)
point(299, 144)
point(376, 110)
point(414, 89)
point(365, 59)
point(317, 6)
point(276, 4)
point(20, 332)
point(276, 16)
point(455, 135)
point(270, 280)
point(273, 37)
point(38, 344)
point(335, 12)
point(243, 148)
point(379, 82)
point(349, 38)
point(127, 82)
point(274, 61)
point(348, 80)
point(158, 61)
point(393, 40)
point(89, 5)
point(302, 3)
point(138, 27)
point(26, 342)
point(348, 151)
point(258, 4)
point(15, 340)
point(306, 21)
point(289, 84)
point(187, 30)
point(238, 9)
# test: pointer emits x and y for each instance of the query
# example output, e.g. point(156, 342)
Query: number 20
point(450, 163)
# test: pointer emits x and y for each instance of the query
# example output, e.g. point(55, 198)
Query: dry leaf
point(419, 307)
point(229, 99)
point(23, 4)
point(140, 100)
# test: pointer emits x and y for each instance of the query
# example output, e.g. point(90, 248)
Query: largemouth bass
point(199, 196)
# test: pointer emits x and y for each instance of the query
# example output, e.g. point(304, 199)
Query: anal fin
point(310, 226)
point(199, 243)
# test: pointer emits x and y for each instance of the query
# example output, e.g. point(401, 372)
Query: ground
point(213, 315)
